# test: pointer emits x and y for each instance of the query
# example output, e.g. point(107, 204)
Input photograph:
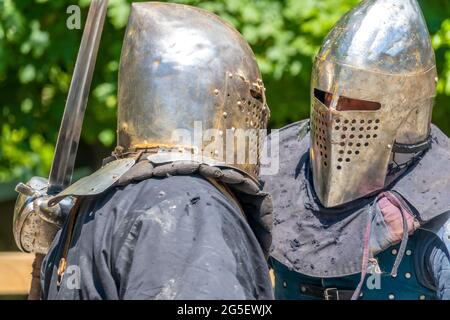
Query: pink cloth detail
point(391, 211)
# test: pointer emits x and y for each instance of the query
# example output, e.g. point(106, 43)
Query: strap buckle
point(331, 294)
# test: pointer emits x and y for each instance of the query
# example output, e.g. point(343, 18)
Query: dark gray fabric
point(311, 239)
point(257, 205)
point(163, 238)
point(324, 242)
point(426, 185)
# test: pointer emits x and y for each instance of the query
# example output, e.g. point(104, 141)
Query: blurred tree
point(38, 51)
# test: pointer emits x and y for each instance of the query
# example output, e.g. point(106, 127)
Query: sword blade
point(72, 121)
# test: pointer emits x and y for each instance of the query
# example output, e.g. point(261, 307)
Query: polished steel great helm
point(183, 67)
point(373, 85)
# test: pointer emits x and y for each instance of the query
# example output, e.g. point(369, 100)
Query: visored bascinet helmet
point(373, 85)
point(183, 67)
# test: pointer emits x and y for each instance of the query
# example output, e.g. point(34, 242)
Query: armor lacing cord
point(418, 151)
point(404, 242)
point(365, 259)
point(395, 167)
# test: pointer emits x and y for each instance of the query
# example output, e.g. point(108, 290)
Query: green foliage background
point(37, 56)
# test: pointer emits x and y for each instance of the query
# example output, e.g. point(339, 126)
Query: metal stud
point(408, 275)
point(391, 297)
point(394, 251)
point(284, 284)
point(408, 252)
point(303, 289)
point(422, 297)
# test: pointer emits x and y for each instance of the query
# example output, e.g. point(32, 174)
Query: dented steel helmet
point(373, 86)
point(183, 69)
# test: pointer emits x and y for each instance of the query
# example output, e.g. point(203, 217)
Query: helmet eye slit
point(345, 103)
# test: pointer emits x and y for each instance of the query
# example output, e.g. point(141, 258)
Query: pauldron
point(256, 205)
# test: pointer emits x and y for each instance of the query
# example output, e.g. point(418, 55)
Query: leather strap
point(412, 148)
point(326, 293)
point(35, 290)
point(71, 224)
point(223, 188)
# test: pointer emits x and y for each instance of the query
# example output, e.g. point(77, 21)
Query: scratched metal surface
point(181, 65)
point(379, 52)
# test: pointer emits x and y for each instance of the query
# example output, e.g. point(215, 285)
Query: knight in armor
point(362, 196)
point(164, 219)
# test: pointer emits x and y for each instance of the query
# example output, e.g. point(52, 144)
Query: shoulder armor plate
point(98, 182)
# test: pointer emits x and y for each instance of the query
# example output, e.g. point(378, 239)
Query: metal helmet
point(373, 85)
point(183, 68)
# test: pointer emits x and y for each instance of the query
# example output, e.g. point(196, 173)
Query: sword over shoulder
point(72, 121)
point(35, 223)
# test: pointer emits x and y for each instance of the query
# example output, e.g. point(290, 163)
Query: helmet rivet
point(225, 114)
point(389, 146)
point(230, 75)
point(216, 92)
